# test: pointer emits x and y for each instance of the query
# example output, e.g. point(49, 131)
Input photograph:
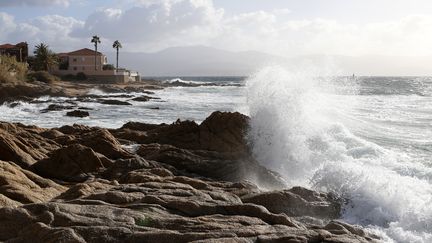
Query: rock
point(224, 132)
point(144, 98)
point(297, 202)
point(19, 186)
point(85, 108)
point(214, 165)
point(72, 163)
point(74, 129)
point(142, 127)
point(27, 91)
point(78, 113)
point(55, 107)
point(23, 145)
point(198, 183)
point(221, 132)
point(102, 141)
point(114, 102)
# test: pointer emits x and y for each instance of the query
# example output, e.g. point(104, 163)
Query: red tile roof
point(7, 46)
point(83, 52)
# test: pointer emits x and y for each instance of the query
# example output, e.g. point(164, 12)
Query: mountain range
point(208, 61)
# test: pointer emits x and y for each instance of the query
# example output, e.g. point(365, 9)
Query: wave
point(305, 134)
point(197, 83)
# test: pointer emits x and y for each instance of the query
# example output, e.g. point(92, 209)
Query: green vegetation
point(96, 40)
point(42, 76)
point(44, 58)
point(108, 67)
point(12, 71)
point(145, 222)
point(79, 76)
point(117, 45)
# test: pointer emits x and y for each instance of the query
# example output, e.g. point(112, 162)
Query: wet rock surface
point(78, 113)
point(184, 182)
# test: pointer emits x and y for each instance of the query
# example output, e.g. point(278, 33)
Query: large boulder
point(298, 202)
point(23, 145)
point(221, 132)
point(211, 164)
point(72, 163)
point(22, 186)
point(224, 132)
point(102, 141)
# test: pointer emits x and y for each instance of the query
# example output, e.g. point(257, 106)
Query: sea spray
point(301, 129)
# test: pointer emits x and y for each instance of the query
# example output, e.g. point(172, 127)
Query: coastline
point(154, 182)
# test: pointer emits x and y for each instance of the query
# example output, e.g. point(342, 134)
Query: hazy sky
point(283, 27)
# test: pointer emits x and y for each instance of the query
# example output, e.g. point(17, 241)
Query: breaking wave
point(309, 131)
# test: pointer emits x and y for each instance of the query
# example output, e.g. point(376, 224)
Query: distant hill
point(195, 61)
point(208, 61)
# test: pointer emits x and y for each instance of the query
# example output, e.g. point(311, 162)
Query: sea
point(367, 139)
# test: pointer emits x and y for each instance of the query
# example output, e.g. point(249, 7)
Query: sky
point(280, 27)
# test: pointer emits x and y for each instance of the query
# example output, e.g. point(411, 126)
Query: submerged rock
point(114, 102)
point(78, 113)
point(55, 107)
point(145, 98)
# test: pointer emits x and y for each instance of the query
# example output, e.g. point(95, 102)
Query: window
point(75, 68)
point(83, 68)
point(74, 60)
point(83, 59)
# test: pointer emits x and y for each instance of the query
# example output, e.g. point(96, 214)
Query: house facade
point(93, 64)
point(19, 51)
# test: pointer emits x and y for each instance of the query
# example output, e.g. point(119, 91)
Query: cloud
point(150, 25)
point(51, 29)
point(8, 3)
point(154, 23)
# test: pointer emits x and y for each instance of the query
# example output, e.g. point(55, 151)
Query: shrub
point(12, 71)
point(42, 76)
point(81, 76)
point(108, 67)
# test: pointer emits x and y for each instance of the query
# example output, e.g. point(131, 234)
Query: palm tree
point(96, 41)
point(44, 57)
point(117, 45)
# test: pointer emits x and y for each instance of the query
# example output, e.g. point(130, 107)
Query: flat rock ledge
point(183, 182)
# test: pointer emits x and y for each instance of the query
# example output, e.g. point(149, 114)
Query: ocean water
point(185, 103)
point(368, 139)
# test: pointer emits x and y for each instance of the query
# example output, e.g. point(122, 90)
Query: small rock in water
point(13, 105)
point(55, 107)
point(85, 108)
point(114, 102)
point(145, 98)
point(78, 113)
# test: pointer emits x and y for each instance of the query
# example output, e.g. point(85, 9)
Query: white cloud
point(34, 2)
point(156, 24)
point(51, 29)
point(150, 25)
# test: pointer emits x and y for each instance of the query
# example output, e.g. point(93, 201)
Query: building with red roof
point(93, 65)
point(19, 51)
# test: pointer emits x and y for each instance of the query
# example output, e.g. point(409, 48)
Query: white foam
point(302, 132)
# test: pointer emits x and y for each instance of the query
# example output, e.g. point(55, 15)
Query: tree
point(96, 41)
point(117, 45)
point(44, 57)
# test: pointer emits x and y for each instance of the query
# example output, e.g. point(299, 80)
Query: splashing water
point(323, 133)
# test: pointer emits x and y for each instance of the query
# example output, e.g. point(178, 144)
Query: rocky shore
point(182, 182)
